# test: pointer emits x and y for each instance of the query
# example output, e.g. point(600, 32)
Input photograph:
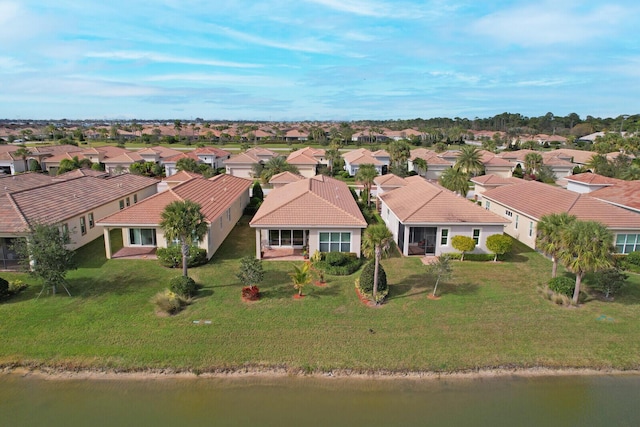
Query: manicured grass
point(489, 315)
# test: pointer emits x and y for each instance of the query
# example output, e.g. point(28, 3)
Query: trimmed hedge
point(338, 263)
point(470, 257)
point(562, 285)
point(184, 286)
point(172, 256)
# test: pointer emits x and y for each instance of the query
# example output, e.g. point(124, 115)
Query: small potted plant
point(305, 252)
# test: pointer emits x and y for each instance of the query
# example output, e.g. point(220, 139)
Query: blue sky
point(317, 59)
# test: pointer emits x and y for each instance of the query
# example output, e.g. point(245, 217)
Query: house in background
point(241, 165)
point(284, 178)
point(119, 164)
point(625, 194)
point(308, 160)
point(525, 203)
point(318, 213)
point(436, 165)
point(588, 182)
point(423, 218)
point(356, 158)
point(388, 182)
point(484, 183)
point(222, 200)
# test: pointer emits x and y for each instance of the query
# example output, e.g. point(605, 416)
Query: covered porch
point(418, 240)
point(141, 252)
point(281, 244)
point(8, 258)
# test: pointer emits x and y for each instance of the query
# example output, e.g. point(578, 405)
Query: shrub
point(169, 302)
point(251, 293)
point(633, 258)
point(499, 244)
point(463, 244)
point(4, 288)
point(365, 283)
point(338, 263)
point(17, 286)
point(184, 286)
point(257, 191)
point(609, 281)
point(172, 256)
point(562, 285)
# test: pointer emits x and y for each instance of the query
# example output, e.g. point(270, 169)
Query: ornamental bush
point(184, 286)
point(4, 288)
point(172, 256)
point(338, 263)
point(366, 279)
point(633, 258)
point(168, 302)
point(562, 285)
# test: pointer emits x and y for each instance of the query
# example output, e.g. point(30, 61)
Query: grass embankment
point(490, 315)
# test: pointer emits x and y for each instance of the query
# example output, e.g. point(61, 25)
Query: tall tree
point(587, 246)
point(549, 236)
point(469, 160)
point(399, 153)
point(23, 152)
point(45, 255)
point(187, 164)
point(365, 175)
point(376, 242)
point(532, 163)
point(456, 180)
point(274, 166)
point(420, 166)
point(183, 221)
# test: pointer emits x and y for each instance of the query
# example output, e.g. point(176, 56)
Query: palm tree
point(587, 246)
point(532, 163)
point(301, 277)
point(274, 166)
point(456, 180)
point(376, 242)
point(469, 160)
point(183, 221)
point(365, 175)
point(177, 126)
point(23, 153)
point(549, 238)
point(332, 154)
point(420, 166)
point(399, 151)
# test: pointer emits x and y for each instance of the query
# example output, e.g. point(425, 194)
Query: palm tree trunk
point(554, 268)
point(185, 256)
point(576, 291)
point(375, 274)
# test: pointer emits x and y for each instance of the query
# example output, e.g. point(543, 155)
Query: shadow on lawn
point(410, 286)
point(84, 287)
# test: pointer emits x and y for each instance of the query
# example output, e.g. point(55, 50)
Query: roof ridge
point(21, 215)
point(575, 201)
point(335, 205)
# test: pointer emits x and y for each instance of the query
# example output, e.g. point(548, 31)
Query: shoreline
point(60, 374)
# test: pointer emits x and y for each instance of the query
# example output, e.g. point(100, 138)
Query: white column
point(107, 242)
point(258, 243)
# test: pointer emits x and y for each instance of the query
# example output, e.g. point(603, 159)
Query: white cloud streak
point(157, 57)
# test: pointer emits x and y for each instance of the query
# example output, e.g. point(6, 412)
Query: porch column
point(107, 241)
point(258, 244)
point(407, 233)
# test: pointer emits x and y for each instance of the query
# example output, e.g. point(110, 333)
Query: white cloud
point(157, 57)
point(253, 80)
point(549, 23)
point(308, 45)
point(379, 9)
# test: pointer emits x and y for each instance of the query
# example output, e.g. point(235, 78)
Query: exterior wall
point(308, 171)
point(353, 169)
point(75, 233)
point(579, 187)
point(521, 227)
point(241, 171)
point(222, 226)
point(170, 169)
point(313, 240)
point(501, 171)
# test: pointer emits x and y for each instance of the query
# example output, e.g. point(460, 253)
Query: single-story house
point(222, 200)
point(75, 204)
point(283, 178)
point(356, 158)
point(625, 194)
point(241, 165)
point(423, 218)
point(318, 213)
point(388, 182)
point(588, 182)
point(121, 163)
point(483, 183)
point(525, 203)
point(436, 165)
point(307, 160)
point(212, 156)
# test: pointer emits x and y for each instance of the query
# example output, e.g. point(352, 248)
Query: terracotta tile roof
point(77, 173)
point(313, 202)
point(574, 156)
point(390, 180)
point(212, 150)
point(125, 158)
point(623, 193)
point(593, 179)
point(62, 200)
point(380, 153)
point(494, 180)
point(23, 181)
point(421, 202)
point(536, 199)
point(182, 176)
point(361, 156)
point(62, 156)
point(107, 151)
point(250, 156)
point(174, 159)
point(516, 155)
point(305, 156)
point(285, 178)
point(214, 196)
point(54, 149)
point(431, 157)
point(160, 150)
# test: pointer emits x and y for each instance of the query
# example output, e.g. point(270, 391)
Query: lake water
point(513, 401)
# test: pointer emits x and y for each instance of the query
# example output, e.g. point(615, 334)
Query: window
point(142, 236)
point(92, 223)
point(83, 226)
point(121, 204)
point(128, 202)
point(530, 229)
point(135, 198)
point(627, 243)
point(487, 205)
point(65, 228)
point(286, 237)
point(335, 242)
point(444, 237)
point(476, 235)
point(517, 220)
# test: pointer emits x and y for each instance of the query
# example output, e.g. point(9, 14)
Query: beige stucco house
point(318, 213)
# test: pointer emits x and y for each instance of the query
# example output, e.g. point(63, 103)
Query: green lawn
point(490, 315)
